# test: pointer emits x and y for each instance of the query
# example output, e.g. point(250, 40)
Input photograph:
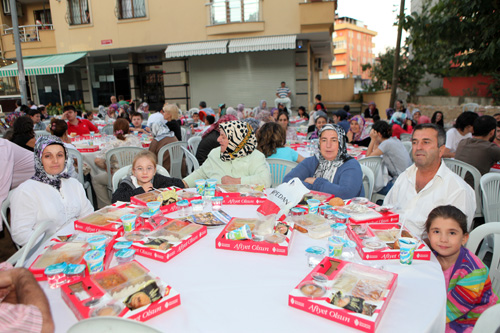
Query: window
point(358, 48)
point(78, 12)
point(359, 35)
point(43, 16)
point(340, 44)
point(234, 11)
point(350, 34)
point(127, 9)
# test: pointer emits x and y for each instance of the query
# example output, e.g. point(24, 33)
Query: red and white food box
point(368, 213)
point(278, 244)
point(356, 286)
point(106, 292)
point(88, 136)
point(321, 196)
point(104, 219)
point(386, 252)
point(240, 194)
point(144, 198)
point(72, 252)
point(87, 149)
point(166, 241)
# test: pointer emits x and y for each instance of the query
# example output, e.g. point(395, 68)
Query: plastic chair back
point(183, 134)
point(470, 107)
point(126, 170)
point(40, 133)
point(490, 189)
point(191, 161)
point(475, 238)
point(408, 147)
point(76, 155)
point(368, 181)
point(373, 162)
point(488, 321)
point(461, 168)
point(176, 154)
point(33, 244)
point(404, 137)
point(193, 144)
point(279, 168)
point(5, 220)
point(108, 130)
point(124, 156)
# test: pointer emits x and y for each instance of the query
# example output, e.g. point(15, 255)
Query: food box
point(277, 240)
point(347, 293)
point(88, 136)
point(166, 241)
point(168, 206)
point(378, 241)
point(107, 218)
point(209, 219)
point(241, 194)
point(87, 148)
point(321, 196)
point(128, 290)
point(368, 213)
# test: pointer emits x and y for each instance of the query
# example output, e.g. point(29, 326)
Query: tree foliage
point(456, 37)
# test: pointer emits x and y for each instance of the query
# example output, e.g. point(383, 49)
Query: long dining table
point(227, 291)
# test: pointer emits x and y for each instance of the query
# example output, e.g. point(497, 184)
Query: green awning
point(44, 65)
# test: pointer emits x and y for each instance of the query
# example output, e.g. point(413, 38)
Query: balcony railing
point(234, 11)
point(29, 33)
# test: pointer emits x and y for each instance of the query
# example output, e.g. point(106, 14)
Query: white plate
point(111, 325)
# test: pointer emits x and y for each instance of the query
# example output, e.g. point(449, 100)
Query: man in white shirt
point(156, 117)
point(462, 129)
point(429, 182)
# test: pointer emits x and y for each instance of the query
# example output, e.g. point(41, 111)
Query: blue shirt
point(286, 153)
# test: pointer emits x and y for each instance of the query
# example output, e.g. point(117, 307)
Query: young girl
point(143, 179)
point(469, 291)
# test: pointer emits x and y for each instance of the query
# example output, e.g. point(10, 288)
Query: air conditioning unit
point(6, 8)
point(319, 64)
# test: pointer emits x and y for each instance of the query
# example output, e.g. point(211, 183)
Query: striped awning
point(270, 43)
point(44, 65)
point(196, 49)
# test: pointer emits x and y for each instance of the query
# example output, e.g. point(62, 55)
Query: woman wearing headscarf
point(143, 108)
point(400, 124)
point(111, 115)
point(162, 137)
point(359, 133)
point(331, 170)
point(240, 111)
point(50, 195)
point(102, 112)
point(236, 161)
point(209, 139)
point(372, 112)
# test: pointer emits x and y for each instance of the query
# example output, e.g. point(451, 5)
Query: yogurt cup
point(97, 242)
point(200, 186)
point(95, 261)
point(122, 245)
point(197, 205)
point(74, 272)
point(314, 255)
point(125, 255)
point(217, 203)
point(183, 207)
point(128, 222)
point(153, 206)
point(338, 229)
point(55, 275)
point(335, 246)
point(313, 205)
point(406, 250)
point(241, 233)
point(211, 184)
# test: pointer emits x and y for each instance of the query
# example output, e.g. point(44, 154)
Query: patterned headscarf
point(161, 131)
point(102, 111)
point(364, 131)
point(398, 118)
point(242, 140)
point(40, 174)
point(327, 169)
point(215, 126)
point(142, 107)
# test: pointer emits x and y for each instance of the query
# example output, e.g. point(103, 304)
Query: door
point(152, 89)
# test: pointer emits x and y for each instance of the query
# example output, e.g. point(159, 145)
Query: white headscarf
point(160, 131)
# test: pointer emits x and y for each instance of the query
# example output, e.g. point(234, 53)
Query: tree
point(456, 37)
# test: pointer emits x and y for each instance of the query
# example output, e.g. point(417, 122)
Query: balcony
point(35, 40)
point(317, 16)
point(234, 16)
point(339, 63)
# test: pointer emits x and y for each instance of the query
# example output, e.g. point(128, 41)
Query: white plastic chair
point(5, 220)
point(408, 147)
point(193, 144)
point(125, 171)
point(405, 137)
point(368, 181)
point(490, 189)
point(476, 236)
point(373, 162)
point(176, 155)
point(488, 321)
point(40, 133)
point(76, 155)
point(183, 134)
point(461, 168)
point(279, 168)
point(191, 161)
point(33, 243)
point(470, 107)
point(124, 156)
point(108, 130)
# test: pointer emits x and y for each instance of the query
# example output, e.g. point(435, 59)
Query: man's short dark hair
point(120, 97)
point(69, 107)
point(467, 118)
point(484, 125)
point(33, 112)
point(440, 132)
point(136, 114)
point(318, 97)
point(496, 114)
point(210, 119)
point(24, 108)
point(498, 123)
point(18, 102)
point(283, 82)
point(346, 108)
point(203, 104)
point(30, 102)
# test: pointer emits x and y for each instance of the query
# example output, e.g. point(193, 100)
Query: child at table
point(143, 179)
point(469, 290)
point(136, 124)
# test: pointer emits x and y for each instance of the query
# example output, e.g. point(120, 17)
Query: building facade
point(353, 47)
point(219, 51)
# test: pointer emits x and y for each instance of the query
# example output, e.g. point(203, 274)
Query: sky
point(377, 15)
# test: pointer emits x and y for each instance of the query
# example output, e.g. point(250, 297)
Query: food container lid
point(133, 236)
point(217, 198)
point(325, 207)
point(128, 217)
point(125, 253)
point(97, 239)
point(339, 226)
point(316, 250)
point(312, 289)
point(146, 215)
point(56, 268)
point(106, 310)
point(257, 238)
point(72, 269)
point(94, 255)
point(313, 201)
point(336, 239)
point(298, 211)
point(274, 238)
point(197, 202)
point(122, 245)
point(320, 277)
point(183, 203)
point(373, 244)
point(350, 243)
point(212, 180)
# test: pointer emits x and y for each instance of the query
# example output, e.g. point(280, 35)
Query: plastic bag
point(283, 198)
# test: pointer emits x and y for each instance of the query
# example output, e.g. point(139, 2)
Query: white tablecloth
point(228, 291)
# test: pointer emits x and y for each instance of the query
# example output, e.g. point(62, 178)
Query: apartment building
point(353, 47)
point(219, 51)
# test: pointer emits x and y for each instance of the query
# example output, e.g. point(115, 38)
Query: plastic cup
point(183, 207)
point(128, 222)
point(197, 206)
point(217, 203)
point(313, 206)
point(339, 229)
point(55, 275)
point(211, 184)
point(125, 255)
point(406, 250)
point(335, 246)
point(122, 245)
point(97, 242)
point(349, 250)
point(74, 272)
point(314, 255)
point(95, 261)
point(322, 209)
point(136, 133)
point(240, 233)
point(153, 206)
point(200, 186)
point(92, 133)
